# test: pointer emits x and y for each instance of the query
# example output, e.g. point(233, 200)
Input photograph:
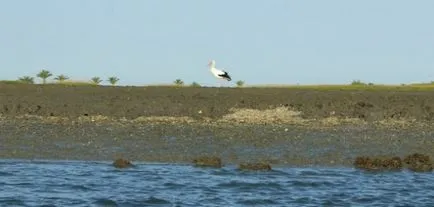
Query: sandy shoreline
point(167, 124)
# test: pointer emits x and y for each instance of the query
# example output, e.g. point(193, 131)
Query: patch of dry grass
point(107, 119)
point(163, 119)
point(399, 123)
point(279, 115)
point(12, 82)
point(276, 115)
point(74, 83)
point(96, 118)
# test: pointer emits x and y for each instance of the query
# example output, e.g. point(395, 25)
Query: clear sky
point(258, 41)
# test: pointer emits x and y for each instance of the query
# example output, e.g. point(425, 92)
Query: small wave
point(6, 174)
point(79, 187)
point(310, 183)
point(105, 202)
point(309, 173)
point(364, 199)
point(153, 200)
point(172, 185)
point(335, 202)
point(48, 205)
point(11, 202)
point(21, 184)
point(323, 173)
point(257, 172)
point(214, 200)
point(246, 186)
point(258, 202)
point(221, 172)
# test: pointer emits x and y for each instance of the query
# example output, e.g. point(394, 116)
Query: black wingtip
point(226, 76)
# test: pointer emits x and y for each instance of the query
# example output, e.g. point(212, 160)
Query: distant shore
point(175, 124)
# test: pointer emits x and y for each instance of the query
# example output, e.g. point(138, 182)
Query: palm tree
point(96, 80)
point(178, 82)
point(44, 74)
point(113, 80)
point(240, 83)
point(61, 78)
point(27, 79)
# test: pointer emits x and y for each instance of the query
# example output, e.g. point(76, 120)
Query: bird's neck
point(211, 65)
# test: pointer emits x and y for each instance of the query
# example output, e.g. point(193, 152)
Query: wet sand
point(169, 124)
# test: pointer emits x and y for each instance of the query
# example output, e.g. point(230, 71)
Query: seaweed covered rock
point(378, 163)
point(255, 166)
point(208, 161)
point(122, 163)
point(418, 162)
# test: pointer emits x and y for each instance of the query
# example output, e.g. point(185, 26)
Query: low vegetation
point(195, 84)
point(12, 82)
point(360, 83)
point(44, 75)
point(240, 83)
point(366, 87)
point(75, 83)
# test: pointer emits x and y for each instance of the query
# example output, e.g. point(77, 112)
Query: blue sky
point(261, 42)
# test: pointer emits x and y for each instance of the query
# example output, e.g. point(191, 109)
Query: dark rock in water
point(122, 163)
point(418, 162)
point(255, 166)
point(208, 161)
point(378, 163)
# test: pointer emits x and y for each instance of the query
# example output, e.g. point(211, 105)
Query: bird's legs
point(222, 82)
point(219, 83)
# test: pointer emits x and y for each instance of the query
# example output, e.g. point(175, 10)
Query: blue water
point(65, 183)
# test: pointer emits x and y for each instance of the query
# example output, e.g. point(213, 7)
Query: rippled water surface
point(48, 183)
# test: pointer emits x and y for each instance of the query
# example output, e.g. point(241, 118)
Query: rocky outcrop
point(255, 166)
point(122, 163)
point(208, 161)
point(418, 162)
point(378, 163)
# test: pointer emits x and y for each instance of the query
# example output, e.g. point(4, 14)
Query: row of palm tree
point(45, 74)
point(179, 82)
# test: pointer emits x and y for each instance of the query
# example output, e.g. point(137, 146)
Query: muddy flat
point(176, 124)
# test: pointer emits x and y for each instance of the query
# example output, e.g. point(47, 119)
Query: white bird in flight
point(218, 73)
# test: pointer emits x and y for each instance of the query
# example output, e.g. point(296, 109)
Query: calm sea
point(66, 183)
